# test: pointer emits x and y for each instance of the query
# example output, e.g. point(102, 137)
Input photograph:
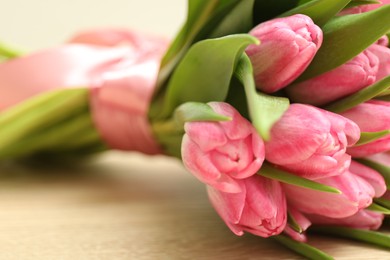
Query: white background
point(35, 24)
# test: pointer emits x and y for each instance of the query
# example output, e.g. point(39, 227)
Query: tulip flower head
point(363, 219)
point(287, 47)
point(383, 54)
point(311, 142)
point(344, 80)
point(378, 113)
point(356, 194)
point(220, 153)
point(260, 207)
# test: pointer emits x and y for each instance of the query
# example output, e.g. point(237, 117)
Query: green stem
point(38, 113)
point(367, 236)
point(302, 248)
point(7, 52)
point(72, 132)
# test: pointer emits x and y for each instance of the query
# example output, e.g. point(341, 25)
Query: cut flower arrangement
point(282, 109)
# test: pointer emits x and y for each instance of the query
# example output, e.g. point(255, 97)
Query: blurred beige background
point(35, 24)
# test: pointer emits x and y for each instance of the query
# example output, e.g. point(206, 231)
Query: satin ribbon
point(120, 67)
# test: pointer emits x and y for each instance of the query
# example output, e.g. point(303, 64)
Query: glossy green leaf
point(293, 223)
point(379, 208)
point(272, 172)
point(359, 97)
point(301, 248)
point(205, 72)
point(347, 36)
point(382, 169)
point(198, 14)
point(321, 11)
point(370, 237)
point(196, 111)
point(205, 19)
point(368, 137)
point(301, 2)
point(354, 3)
point(238, 20)
point(264, 110)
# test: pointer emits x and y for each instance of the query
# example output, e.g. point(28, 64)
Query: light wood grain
point(127, 206)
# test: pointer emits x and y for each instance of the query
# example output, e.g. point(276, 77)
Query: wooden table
point(127, 206)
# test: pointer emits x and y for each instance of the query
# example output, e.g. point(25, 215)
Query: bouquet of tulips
point(282, 108)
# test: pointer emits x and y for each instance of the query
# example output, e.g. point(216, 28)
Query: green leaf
point(354, 3)
point(204, 73)
point(367, 236)
point(302, 248)
point(378, 208)
point(277, 174)
point(321, 11)
point(198, 14)
point(205, 19)
point(368, 137)
point(347, 36)
point(264, 110)
point(238, 20)
point(293, 223)
point(359, 97)
point(382, 169)
point(196, 111)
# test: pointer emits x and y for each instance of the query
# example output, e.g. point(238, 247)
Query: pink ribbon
point(121, 79)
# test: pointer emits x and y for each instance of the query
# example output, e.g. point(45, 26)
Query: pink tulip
point(364, 8)
point(220, 153)
point(383, 54)
point(303, 222)
point(287, 47)
point(311, 142)
point(381, 158)
point(384, 41)
point(363, 219)
point(374, 178)
point(378, 113)
point(260, 207)
point(342, 81)
point(357, 193)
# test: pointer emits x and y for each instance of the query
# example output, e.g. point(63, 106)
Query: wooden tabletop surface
point(127, 206)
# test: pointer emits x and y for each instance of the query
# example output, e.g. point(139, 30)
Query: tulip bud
point(378, 113)
point(384, 41)
point(344, 80)
point(220, 153)
point(363, 219)
point(260, 207)
point(287, 47)
point(383, 54)
point(374, 178)
point(356, 194)
point(311, 142)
